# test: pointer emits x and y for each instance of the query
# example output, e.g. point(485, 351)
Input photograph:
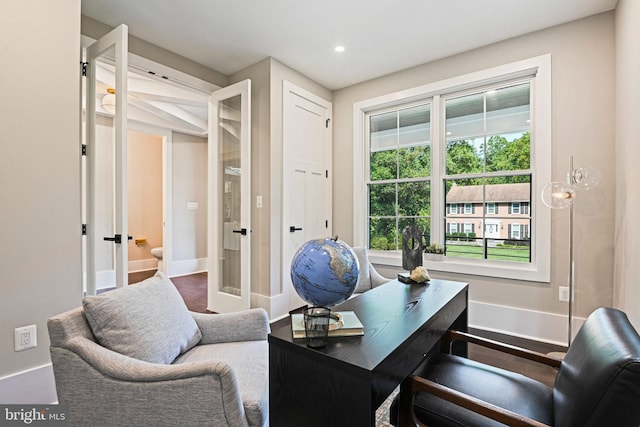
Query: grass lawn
point(502, 253)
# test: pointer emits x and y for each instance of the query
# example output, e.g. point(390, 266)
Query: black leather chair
point(597, 384)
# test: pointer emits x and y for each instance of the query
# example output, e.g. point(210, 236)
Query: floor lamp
point(561, 195)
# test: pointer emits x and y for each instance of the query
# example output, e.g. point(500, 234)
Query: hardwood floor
point(193, 289)
point(538, 371)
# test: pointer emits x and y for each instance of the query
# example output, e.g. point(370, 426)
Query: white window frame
point(539, 268)
point(453, 227)
point(491, 209)
point(453, 208)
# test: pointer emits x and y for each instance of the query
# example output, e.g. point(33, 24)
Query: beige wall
point(259, 74)
point(583, 125)
point(145, 193)
point(189, 184)
point(39, 175)
point(627, 285)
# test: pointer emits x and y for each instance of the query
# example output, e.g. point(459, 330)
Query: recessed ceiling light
point(339, 48)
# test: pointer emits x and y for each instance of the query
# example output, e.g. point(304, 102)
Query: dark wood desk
point(343, 383)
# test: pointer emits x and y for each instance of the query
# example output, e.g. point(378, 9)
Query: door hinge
point(84, 149)
point(84, 229)
point(326, 223)
point(84, 68)
point(326, 173)
point(327, 123)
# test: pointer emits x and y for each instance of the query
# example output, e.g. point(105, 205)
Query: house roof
point(495, 193)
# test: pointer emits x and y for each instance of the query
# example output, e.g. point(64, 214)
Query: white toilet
point(157, 252)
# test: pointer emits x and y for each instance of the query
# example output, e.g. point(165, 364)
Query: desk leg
point(459, 348)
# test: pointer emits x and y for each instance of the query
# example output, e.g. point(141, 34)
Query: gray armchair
point(369, 276)
point(137, 356)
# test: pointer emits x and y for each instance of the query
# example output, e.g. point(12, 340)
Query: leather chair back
point(598, 383)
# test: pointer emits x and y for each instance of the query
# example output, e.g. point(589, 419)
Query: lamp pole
point(572, 182)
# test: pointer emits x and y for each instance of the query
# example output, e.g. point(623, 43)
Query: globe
point(325, 272)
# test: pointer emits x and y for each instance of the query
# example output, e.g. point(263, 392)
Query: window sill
point(468, 267)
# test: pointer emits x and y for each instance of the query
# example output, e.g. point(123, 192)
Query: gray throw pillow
point(148, 320)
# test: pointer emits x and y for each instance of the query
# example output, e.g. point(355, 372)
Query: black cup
point(316, 326)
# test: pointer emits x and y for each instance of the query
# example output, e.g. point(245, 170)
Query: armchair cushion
point(363, 261)
point(157, 330)
point(518, 393)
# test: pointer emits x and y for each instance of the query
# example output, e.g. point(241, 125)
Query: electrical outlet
point(25, 337)
point(563, 293)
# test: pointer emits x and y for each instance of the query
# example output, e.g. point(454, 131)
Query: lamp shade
point(558, 195)
point(585, 178)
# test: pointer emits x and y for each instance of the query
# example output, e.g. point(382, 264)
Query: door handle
point(117, 238)
point(242, 231)
point(293, 229)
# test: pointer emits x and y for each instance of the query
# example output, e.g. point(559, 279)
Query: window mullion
point(437, 170)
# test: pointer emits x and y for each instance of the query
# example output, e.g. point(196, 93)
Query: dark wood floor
point(193, 289)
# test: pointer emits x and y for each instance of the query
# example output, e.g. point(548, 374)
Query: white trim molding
point(530, 324)
point(36, 385)
point(183, 268)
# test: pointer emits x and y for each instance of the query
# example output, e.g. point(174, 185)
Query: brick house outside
point(501, 213)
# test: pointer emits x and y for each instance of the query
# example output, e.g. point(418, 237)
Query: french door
point(229, 202)
point(105, 191)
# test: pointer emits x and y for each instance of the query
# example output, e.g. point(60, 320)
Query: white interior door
point(306, 196)
point(106, 186)
point(229, 203)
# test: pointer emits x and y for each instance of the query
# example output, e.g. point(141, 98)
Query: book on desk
point(351, 325)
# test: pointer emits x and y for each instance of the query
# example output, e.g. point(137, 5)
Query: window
point(464, 145)
point(399, 174)
point(515, 231)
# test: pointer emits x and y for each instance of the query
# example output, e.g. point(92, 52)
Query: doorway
point(145, 200)
point(161, 102)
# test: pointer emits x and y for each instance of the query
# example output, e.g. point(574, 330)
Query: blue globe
point(325, 272)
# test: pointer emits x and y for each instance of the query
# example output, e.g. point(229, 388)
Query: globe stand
point(335, 321)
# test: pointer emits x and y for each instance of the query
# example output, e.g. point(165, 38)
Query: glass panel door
point(105, 189)
point(229, 199)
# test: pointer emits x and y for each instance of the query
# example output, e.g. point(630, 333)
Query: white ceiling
point(380, 37)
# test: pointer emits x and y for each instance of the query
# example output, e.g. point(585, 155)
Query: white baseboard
point(183, 268)
point(33, 386)
point(530, 324)
point(143, 265)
